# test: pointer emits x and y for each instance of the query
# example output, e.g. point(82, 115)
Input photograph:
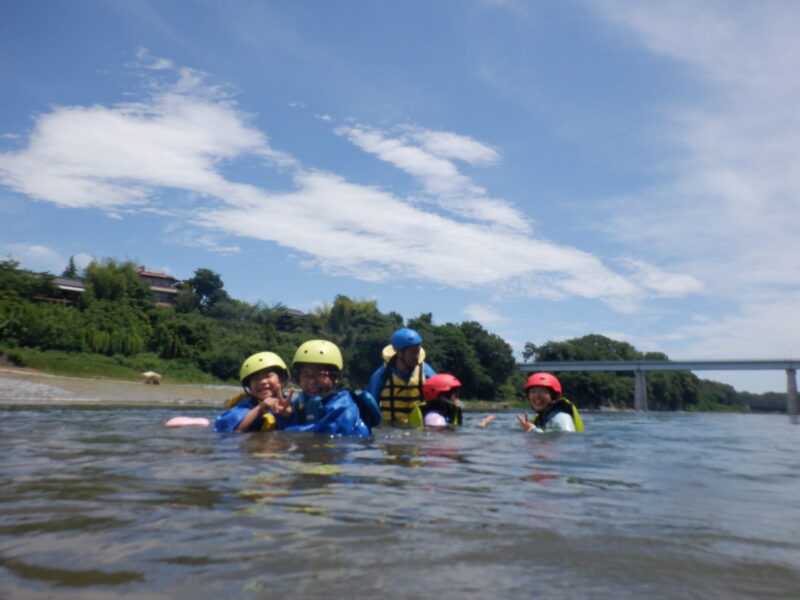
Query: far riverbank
point(28, 386)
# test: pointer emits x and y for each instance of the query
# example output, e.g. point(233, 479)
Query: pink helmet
point(544, 380)
point(437, 384)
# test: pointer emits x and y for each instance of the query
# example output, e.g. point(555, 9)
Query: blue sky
point(549, 169)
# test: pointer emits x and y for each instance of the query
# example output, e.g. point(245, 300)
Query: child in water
point(553, 412)
point(323, 407)
point(442, 405)
point(262, 406)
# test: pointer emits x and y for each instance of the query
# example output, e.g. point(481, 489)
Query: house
point(164, 287)
point(289, 319)
point(70, 289)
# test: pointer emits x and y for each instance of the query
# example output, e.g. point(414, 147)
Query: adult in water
point(262, 406)
point(323, 406)
point(553, 412)
point(397, 384)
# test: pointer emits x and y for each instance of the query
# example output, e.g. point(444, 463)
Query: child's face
point(264, 384)
point(450, 396)
point(316, 380)
point(539, 397)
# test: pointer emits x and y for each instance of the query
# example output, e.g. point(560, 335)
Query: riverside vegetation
point(114, 329)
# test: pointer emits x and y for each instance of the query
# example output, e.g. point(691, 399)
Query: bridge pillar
point(792, 406)
point(639, 390)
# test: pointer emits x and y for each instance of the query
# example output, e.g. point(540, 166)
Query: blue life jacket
point(336, 414)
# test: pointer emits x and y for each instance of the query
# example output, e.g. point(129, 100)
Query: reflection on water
point(99, 503)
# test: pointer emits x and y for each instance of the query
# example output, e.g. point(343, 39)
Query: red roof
point(144, 273)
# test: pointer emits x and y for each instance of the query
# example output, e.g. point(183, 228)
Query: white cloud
point(766, 327)
point(154, 63)
point(727, 213)
point(426, 155)
point(36, 257)
point(451, 145)
point(82, 260)
point(105, 157)
point(660, 283)
point(120, 158)
point(485, 315)
point(360, 241)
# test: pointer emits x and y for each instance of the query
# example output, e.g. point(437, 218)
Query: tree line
point(116, 316)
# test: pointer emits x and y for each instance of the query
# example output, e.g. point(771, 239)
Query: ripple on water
point(111, 502)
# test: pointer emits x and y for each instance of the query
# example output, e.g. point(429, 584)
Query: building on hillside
point(290, 319)
point(70, 288)
point(164, 287)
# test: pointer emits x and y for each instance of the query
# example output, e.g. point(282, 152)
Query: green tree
point(529, 352)
point(207, 288)
point(495, 354)
point(482, 361)
point(667, 390)
point(713, 395)
point(112, 281)
point(116, 328)
point(178, 335)
point(361, 331)
point(24, 283)
point(71, 270)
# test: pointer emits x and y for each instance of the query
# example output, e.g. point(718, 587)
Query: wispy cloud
point(486, 315)
point(124, 157)
point(38, 257)
point(726, 213)
point(105, 157)
point(428, 156)
point(660, 283)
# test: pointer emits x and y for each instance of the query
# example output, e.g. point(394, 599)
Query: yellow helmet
point(262, 360)
point(319, 352)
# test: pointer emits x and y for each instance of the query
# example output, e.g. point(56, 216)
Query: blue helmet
point(403, 338)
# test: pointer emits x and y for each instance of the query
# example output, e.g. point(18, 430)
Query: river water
point(98, 503)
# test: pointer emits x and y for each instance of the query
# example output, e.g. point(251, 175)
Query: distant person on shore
point(322, 406)
point(553, 412)
point(397, 384)
point(262, 406)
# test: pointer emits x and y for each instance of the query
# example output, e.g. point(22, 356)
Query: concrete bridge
point(640, 367)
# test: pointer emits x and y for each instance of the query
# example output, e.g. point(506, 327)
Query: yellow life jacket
point(399, 396)
point(563, 405)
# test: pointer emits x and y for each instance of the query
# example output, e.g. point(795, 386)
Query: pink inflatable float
point(187, 422)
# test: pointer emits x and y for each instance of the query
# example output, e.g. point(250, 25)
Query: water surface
point(97, 503)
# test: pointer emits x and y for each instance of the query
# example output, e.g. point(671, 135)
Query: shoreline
point(28, 387)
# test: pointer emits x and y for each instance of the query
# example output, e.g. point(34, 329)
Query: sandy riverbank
point(27, 386)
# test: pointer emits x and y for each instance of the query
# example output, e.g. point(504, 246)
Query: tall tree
point(71, 270)
point(207, 287)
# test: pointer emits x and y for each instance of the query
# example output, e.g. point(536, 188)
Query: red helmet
point(438, 384)
point(544, 380)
